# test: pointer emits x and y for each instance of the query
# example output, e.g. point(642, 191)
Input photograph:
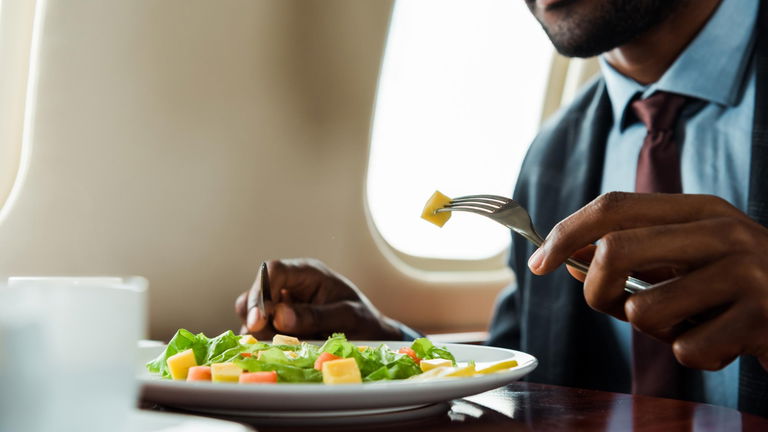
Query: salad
point(243, 359)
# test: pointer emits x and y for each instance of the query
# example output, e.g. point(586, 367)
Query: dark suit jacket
point(547, 315)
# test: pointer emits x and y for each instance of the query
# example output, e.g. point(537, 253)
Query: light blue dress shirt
point(714, 133)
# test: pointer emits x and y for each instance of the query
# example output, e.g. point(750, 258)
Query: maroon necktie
point(655, 371)
point(658, 166)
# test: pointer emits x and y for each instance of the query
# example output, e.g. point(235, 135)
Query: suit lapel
point(758, 186)
point(585, 161)
point(753, 379)
point(578, 176)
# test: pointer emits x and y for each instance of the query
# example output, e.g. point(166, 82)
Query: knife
point(264, 294)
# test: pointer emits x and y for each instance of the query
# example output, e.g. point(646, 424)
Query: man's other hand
point(716, 310)
point(311, 301)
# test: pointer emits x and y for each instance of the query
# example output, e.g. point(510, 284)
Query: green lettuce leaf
point(338, 345)
point(285, 372)
point(221, 343)
point(403, 367)
point(306, 356)
point(234, 352)
point(181, 341)
point(426, 350)
point(367, 360)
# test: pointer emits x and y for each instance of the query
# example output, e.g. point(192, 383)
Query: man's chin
point(558, 13)
point(585, 28)
point(569, 25)
point(547, 5)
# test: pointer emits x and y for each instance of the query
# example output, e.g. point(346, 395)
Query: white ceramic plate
point(373, 397)
point(147, 421)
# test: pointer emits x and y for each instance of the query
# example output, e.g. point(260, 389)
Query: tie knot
point(660, 111)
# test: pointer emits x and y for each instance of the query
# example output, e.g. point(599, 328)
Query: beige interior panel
point(187, 140)
point(566, 77)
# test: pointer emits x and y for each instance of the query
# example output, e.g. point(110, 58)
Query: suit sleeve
point(505, 326)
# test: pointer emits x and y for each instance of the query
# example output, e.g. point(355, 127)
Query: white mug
point(73, 344)
point(20, 377)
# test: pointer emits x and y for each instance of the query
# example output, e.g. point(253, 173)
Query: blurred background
point(186, 141)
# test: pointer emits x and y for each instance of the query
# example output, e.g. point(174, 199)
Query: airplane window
point(16, 22)
point(459, 99)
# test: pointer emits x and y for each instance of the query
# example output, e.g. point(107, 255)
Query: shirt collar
point(621, 91)
point(711, 68)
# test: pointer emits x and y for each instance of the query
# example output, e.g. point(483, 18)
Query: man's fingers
point(577, 274)
point(301, 319)
point(307, 281)
point(241, 309)
point(715, 343)
point(255, 322)
point(298, 276)
point(302, 281)
point(584, 255)
point(659, 311)
point(293, 275)
point(679, 246)
point(618, 211)
point(604, 290)
point(280, 275)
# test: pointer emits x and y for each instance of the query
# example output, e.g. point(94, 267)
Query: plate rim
point(201, 394)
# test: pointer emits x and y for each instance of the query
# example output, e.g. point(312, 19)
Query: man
point(680, 114)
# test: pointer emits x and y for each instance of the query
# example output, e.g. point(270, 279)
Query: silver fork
point(513, 216)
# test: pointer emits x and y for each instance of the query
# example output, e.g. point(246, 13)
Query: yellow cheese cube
point(248, 339)
point(279, 339)
point(179, 364)
point(342, 371)
point(436, 201)
point(486, 368)
point(225, 372)
point(427, 365)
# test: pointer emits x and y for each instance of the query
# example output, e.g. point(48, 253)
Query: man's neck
point(648, 56)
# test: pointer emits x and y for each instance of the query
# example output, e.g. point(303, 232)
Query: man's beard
point(606, 26)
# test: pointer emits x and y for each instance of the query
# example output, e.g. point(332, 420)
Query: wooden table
point(524, 406)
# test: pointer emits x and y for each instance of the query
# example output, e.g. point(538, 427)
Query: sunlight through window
point(459, 100)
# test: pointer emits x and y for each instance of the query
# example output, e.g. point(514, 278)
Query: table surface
point(524, 406)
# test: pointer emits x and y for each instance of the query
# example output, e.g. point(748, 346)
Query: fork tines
point(479, 203)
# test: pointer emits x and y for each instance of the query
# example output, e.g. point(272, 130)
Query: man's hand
point(716, 310)
point(311, 301)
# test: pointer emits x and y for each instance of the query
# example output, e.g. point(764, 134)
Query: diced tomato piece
point(199, 373)
point(324, 357)
point(258, 377)
point(410, 353)
point(246, 354)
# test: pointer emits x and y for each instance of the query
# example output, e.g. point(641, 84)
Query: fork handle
point(632, 285)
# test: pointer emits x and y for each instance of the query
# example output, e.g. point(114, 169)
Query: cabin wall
point(188, 140)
